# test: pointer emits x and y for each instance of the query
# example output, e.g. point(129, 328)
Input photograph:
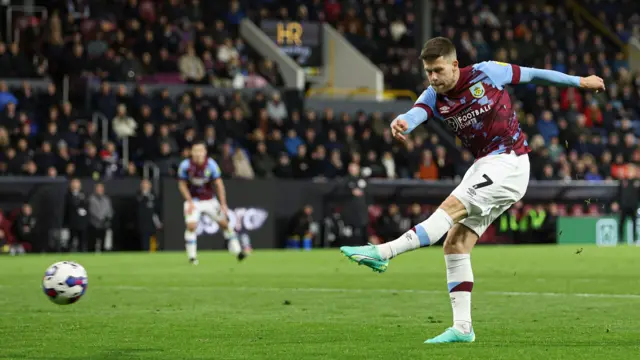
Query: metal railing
point(125, 152)
point(11, 37)
point(387, 94)
point(579, 10)
point(65, 88)
point(633, 54)
point(150, 168)
point(101, 122)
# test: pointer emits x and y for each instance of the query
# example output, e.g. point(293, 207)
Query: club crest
point(477, 90)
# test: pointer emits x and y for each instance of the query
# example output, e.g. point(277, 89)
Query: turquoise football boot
point(366, 255)
point(452, 335)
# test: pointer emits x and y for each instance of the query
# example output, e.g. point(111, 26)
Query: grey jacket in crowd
point(100, 211)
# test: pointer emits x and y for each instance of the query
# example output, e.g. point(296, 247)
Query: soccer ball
point(65, 282)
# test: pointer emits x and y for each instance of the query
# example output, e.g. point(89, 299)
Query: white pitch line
point(352, 290)
point(384, 291)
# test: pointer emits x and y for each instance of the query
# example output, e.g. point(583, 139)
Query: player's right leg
point(191, 217)
point(424, 234)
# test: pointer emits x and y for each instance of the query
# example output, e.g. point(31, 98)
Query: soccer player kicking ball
point(196, 178)
point(476, 106)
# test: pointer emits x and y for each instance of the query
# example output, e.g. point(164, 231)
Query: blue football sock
point(307, 243)
point(293, 243)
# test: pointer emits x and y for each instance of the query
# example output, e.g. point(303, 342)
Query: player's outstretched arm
point(503, 73)
point(556, 78)
point(421, 111)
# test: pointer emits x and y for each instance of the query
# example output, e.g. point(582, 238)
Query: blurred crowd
point(17, 228)
point(522, 223)
point(573, 135)
point(171, 41)
point(250, 138)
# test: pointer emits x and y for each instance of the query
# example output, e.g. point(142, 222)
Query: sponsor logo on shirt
point(197, 178)
point(199, 181)
point(467, 118)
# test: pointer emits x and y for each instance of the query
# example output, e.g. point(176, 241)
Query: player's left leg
point(228, 232)
point(426, 233)
point(245, 240)
point(230, 235)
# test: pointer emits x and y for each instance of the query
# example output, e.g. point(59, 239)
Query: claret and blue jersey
point(478, 109)
point(199, 178)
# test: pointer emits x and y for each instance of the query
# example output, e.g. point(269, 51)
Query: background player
point(196, 179)
point(474, 104)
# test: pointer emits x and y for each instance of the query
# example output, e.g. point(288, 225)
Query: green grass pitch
point(541, 302)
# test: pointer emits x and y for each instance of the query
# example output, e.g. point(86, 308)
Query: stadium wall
point(599, 230)
point(263, 208)
point(47, 198)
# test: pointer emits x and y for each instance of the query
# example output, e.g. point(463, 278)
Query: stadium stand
point(568, 130)
point(573, 135)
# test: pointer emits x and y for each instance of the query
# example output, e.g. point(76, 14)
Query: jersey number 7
point(485, 183)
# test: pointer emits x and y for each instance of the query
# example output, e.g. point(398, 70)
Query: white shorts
point(210, 207)
point(490, 187)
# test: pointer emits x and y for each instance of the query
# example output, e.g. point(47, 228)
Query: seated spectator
point(227, 52)
point(428, 169)
point(593, 115)
point(548, 127)
point(268, 70)
point(253, 79)
point(24, 227)
point(262, 162)
point(276, 108)
point(241, 165)
point(284, 169)
point(191, 67)
point(165, 64)
point(292, 142)
point(123, 124)
point(167, 161)
point(7, 237)
point(226, 163)
point(389, 165)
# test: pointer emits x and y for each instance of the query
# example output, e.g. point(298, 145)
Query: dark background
point(278, 199)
